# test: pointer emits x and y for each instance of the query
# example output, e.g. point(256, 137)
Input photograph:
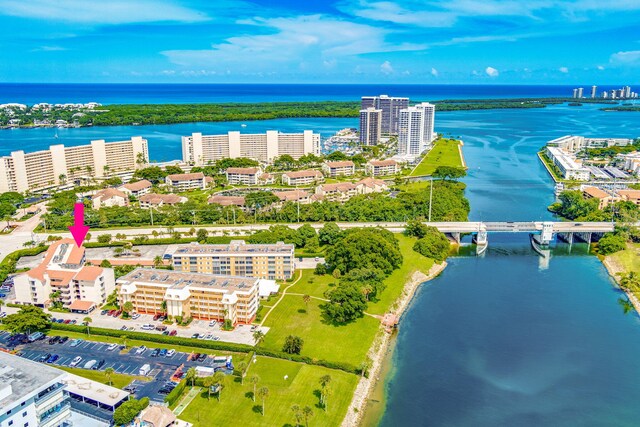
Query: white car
point(212, 323)
point(208, 337)
point(3, 315)
point(135, 316)
point(112, 347)
point(75, 361)
point(141, 349)
point(171, 353)
point(90, 364)
point(148, 327)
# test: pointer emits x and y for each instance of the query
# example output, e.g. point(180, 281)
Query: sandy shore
point(381, 345)
point(615, 269)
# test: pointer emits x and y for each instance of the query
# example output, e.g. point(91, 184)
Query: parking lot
point(128, 362)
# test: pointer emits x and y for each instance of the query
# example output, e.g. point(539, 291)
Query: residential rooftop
point(235, 247)
point(180, 280)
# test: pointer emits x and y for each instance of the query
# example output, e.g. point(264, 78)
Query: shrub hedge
point(176, 393)
point(8, 264)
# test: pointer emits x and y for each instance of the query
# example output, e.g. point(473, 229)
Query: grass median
point(445, 152)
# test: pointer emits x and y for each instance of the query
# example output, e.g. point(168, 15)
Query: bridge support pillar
point(482, 242)
point(546, 236)
point(456, 237)
point(585, 237)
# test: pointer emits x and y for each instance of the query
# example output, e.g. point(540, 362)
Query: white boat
point(243, 125)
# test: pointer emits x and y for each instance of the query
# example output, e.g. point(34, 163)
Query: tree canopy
point(28, 319)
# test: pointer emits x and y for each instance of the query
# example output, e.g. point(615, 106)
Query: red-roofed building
point(186, 181)
point(62, 270)
point(136, 189)
point(243, 176)
point(109, 197)
point(382, 167)
point(305, 177)
point(343, 168)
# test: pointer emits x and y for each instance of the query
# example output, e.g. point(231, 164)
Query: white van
point(90, 364)
point(147, 327)
point(144, 370)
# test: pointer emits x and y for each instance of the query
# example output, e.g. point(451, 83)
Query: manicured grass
point(412, 262)
point(444, 153)
point(629, 258)
point(301, 388)
point(117, 380)
point(321, 340)
point(313, 285)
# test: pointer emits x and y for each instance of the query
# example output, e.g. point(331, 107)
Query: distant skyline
point(344, 41)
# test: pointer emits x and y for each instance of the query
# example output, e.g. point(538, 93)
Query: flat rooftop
point(24, 377)
point(180, 280)
point(234, 247)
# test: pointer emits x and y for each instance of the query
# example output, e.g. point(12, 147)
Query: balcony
point(53, 391)
point(55, 415)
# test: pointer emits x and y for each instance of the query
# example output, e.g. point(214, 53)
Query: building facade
point(269, 261)
point(390, 107)
point(136, 189)
point(58, 165)
point(382, 167)
point(186, 181)
point(342, 168)
point(199, 150)
point(305, 177)
point(32, 394)
point(370, 126)
point(109, 197)
point(186, 294)
point(153, 200)
point(243, 176)
point(63, 271)
point(416, 131)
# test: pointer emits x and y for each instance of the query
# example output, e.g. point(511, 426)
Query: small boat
point(243, 125)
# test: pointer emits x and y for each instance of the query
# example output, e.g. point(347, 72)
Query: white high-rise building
point(575, 93)
point(390, 106)
point(580, 91)
point(199, 149)
point(370, 126)
point(416, 130)
point(594, 90)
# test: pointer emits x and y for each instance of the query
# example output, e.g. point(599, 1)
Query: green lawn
point(444, 153)
point(301, 388)
point(628, 258)
point(117, 380)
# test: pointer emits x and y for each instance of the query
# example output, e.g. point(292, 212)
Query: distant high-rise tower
point(627, 92)
point(575, 92)
point(416, 128)
point(613, 93)
point(370, 126)
point(605, 94)
point(594, 89)
point(580, 90)
point(390, 107)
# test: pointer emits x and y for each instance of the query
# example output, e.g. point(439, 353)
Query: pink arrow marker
point(78, 229)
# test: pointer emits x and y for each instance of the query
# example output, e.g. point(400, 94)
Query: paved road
point(129, 362)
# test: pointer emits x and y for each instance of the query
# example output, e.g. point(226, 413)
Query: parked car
point(35, 336)
point(3, 315)
point(75, 361)
point(74, 321)
point(162, 352)
point(165, 332)
point(173, 333)
point(208, 337)
point(66, 321)
point(103, 312)
point(53, 358)
point(117, 313)
point(147, 327)
point(90, 364)
point(3, 295)
point(161, 327)
point(212, 323)
point(63, 340)
point(111, 312)
point(135, 316)
point(216, 338)
point(161, 318)
point(60, 321)
point(123, 328)
point(99, 365)
point(54, 340)
point(201, 357)
point(155, 352)
point(75, 342)
point(196, 336)
point(141, 349)
point(144, 369)
point(44, 357)
point(112, 347)
point(156, 317)
point(170, 353)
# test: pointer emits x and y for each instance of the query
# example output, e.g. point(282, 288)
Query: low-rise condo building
point(186, 181)
point(152, 200)
point(371, 185)
point(32, 394)
point(335, 169)
point(338, 192)
point(567, 165)
point(58, 165)
point(243, 176)
point(63, 271)
point(382, 167)
point(136, 189)
point(199, 149)
point(268, 261)
point(305, 177)
point(296, 196)
point(109, 197)
point(574, 143)
point(604, 198)
point(227, 201)
point(632, 196)
point(198, 295)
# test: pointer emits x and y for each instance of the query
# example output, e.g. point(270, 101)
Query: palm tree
point(364, 367)
point(366, 290)
point(107, 373)
point(220, 379)
point(87, 320)
point(297, 414)
point(208, 382)
point(54, 297)
point(327, 392)
point(258, 336)
point(625, 304)
point(191, 376)
point(106, 170)
point(306, 299)
point(62, 178)
point(157, 261)
point(124, 340)
point(255, 379)
point(242, 367)
point(263, 393)
point(307, 413)
point(325, 380)
point(127, 307)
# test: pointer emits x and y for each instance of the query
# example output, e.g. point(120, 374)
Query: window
point(10, 423)
point(24, 414)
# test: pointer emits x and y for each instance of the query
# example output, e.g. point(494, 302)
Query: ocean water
point(201, 93)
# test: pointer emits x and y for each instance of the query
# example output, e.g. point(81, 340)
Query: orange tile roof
point(596, 192)
point(387, 162)
point(341, 164)
point(108, 193)
point(38, 272)
point(630, 194)
point(371, 182)
point(81, 305)
point(243, 171)
point(303, 174)
point(291, 195)
point(186, 176)
point(137, 186)
point(339, 186)
point(156, 199)
point(60, 277)
point(88, 273)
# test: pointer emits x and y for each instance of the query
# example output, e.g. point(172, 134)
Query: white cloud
point(625, 57)
point(386, 68)
point(101, 12)
point(434, 72)
point(312, 38)
point(491, 72)
point(563, 70)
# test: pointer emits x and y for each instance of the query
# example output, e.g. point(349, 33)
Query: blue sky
point(344, 41)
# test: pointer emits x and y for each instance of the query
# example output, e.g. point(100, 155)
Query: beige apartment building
point(22, 171)
point(304, 177)
point(243, 176)
point(186, 181)
point(63, 270)
point(382, 167)
point(335, 169)
point(268, 261)
point(197, 295)
point(199, 149)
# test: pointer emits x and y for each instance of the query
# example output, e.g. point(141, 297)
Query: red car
point(110, 313)
point(173, 333)
point(117, 313)
point(67, 321)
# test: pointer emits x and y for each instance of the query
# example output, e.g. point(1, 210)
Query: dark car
point(161, 318)
point(155, 352)
point(110, 312)
point(103, 312)
point(161, 327)
point(63, 340)
point(202, 357)
point(156, 317)
point(53, 358)
point(99, 365)
point(67, 321)
point(195, 336)
point(163, 352)
point(173, 333)
point(53, 340)
point(44, 358)
point(165, 332)
point(60, 321)
point(74, 321)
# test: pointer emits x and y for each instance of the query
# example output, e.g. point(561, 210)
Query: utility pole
point(430, 199)
point(194, 217)
point(151, 211)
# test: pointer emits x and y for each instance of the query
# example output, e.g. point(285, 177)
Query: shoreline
point(613, 271)
point(381, 347)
